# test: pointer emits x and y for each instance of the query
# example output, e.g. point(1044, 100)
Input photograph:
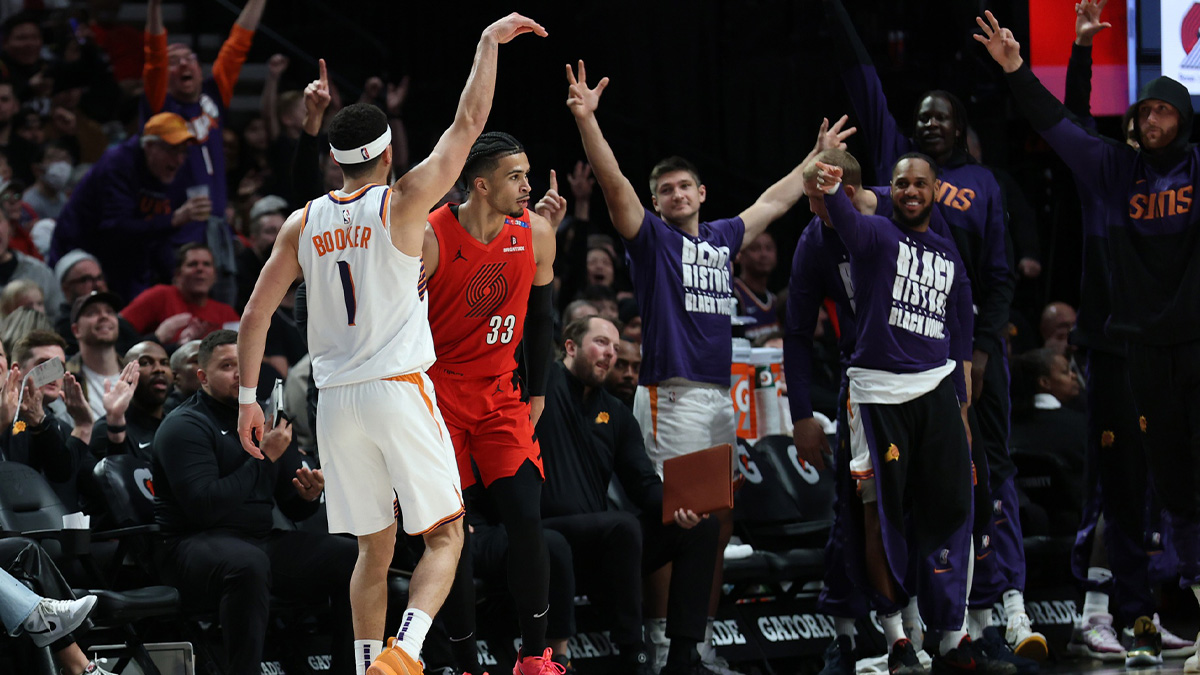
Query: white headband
point(365, 153)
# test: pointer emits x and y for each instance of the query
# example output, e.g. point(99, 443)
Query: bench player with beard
point(1144, 197)
point(972, 203)
point(907, 378)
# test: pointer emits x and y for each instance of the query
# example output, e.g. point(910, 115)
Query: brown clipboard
point(701, 481)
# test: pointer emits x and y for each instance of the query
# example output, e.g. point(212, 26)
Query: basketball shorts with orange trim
point(678, 417)
point(489, 426)
point(383, 440)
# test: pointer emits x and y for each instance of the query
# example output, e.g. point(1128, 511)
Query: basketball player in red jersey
point(489, 262)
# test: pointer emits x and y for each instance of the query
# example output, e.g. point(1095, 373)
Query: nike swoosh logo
point(52, 627)
point(142, 445)
point(223, 432)
point(542, 613)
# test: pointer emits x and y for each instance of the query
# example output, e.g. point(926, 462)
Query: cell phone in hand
point(276, 408)
point(47, 372)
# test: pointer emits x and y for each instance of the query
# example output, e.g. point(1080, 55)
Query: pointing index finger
point(324, 74)
point(553, 180)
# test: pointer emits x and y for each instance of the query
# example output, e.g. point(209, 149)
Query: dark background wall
point(738, 87)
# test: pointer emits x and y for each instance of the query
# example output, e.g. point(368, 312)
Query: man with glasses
point(123, 213)
point(79, 274)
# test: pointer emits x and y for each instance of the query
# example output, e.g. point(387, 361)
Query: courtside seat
point(30, 508)
point(785, 503)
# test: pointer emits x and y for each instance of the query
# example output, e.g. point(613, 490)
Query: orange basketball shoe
point(395, 661)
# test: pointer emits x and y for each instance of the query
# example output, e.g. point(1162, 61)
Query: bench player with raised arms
point(490, 263)
point(378, 424)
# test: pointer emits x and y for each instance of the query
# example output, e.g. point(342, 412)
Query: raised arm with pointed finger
point(307, 180)
point(624, 207)
point(419, 190)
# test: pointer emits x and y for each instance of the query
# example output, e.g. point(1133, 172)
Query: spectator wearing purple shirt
point(682, 273)
point(757, 261)
point(908, 372)
point(122, 211)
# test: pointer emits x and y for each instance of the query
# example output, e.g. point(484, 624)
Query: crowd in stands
point(136, 213)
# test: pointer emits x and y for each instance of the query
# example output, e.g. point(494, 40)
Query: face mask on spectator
point(57, 174)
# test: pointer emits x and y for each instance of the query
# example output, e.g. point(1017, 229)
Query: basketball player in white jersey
point(378, 424)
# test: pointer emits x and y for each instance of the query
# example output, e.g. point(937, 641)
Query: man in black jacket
point(39, 438)
point(133, 406)
point(587, 435)
point(215, 506)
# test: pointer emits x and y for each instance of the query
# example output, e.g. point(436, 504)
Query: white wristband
point(247, 395)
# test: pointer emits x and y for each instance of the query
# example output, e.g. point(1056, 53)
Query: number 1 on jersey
point(348, 290)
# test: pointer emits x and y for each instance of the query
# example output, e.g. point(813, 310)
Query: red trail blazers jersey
point(478, 296)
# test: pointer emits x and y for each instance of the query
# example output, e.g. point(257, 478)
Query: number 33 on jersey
point(479, 295)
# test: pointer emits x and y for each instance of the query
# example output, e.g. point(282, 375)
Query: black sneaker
point(839, 657)
point(957, 661)
point(903, 659)
point(994, 650)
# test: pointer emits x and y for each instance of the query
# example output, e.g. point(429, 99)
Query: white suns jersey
point(368, 309)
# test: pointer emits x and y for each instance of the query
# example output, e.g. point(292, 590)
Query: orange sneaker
point(538, 665)
point(395, 661)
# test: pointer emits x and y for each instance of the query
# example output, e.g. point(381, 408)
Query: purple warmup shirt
point(206, 161)
point(685, 295)
point(820, 271)
point(911, 293)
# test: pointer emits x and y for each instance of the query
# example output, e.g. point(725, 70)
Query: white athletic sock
point(1095, 602)
point(844, 626)
point(413, 628)
point(365, 653)
point(913, 628)
point(893, 628)
point(911, 613)
point(950, 639)
point(977, 620)
point(1014, 603)
point(708, 651)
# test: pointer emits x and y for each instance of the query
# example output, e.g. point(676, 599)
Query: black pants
point(518, 503)
point(613, 550)
point(489, 549)
point(31, 565)
point(1117, 484)
point(1166, 388)
point(990, 424)
point(924, 497)
point(238, 575)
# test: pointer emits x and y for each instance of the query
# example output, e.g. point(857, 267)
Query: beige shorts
point(381, 440)
point(679, 419)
